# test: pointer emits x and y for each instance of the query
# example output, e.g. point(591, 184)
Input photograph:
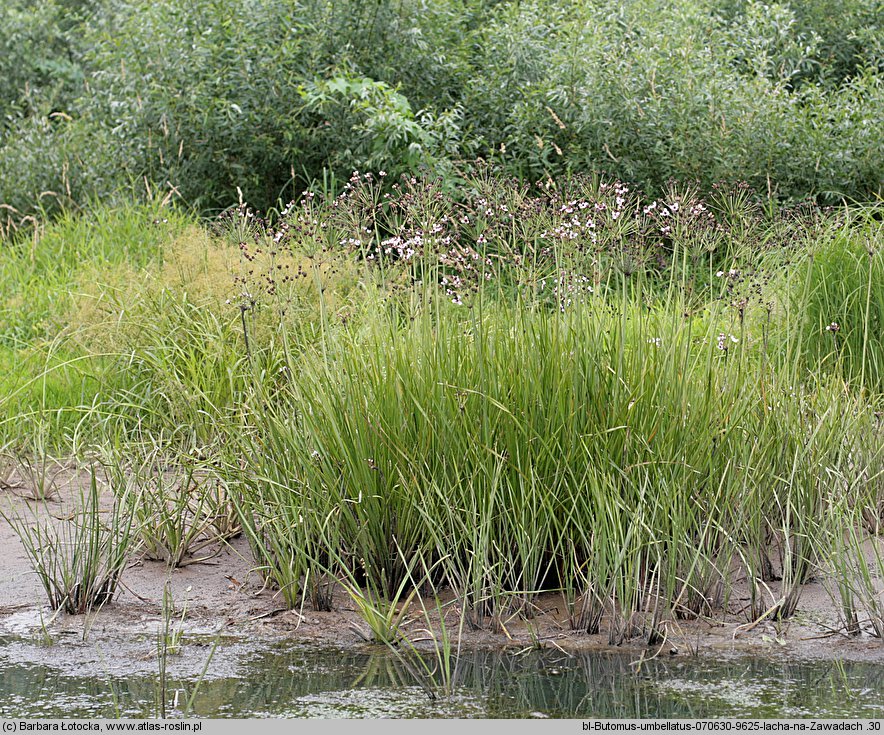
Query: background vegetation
point(599, 311)
point(105, 97)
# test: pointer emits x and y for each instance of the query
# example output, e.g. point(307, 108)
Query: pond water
point(256, 679)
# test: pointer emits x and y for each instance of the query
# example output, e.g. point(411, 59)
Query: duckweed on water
point(290, 681)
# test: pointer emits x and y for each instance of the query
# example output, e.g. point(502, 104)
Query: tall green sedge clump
point(618, 451)
point(555, 420)
point(855, 552)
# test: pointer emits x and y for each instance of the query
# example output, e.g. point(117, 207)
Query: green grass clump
point(838, 299)
point(179, 511)
point(79, 559)
point(611, 452)
point(493, 391)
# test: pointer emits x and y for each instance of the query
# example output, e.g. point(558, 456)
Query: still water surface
point(245, 679)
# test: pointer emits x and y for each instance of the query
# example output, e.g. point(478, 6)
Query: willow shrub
point(208, 98)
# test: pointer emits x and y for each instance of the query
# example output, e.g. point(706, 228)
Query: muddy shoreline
point(225, 597)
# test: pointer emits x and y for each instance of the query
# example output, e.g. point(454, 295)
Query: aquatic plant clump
point(181, 516)
point(615, 454)
point(78, 558)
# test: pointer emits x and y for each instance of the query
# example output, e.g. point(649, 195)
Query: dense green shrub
point(39, 66)
point(265, 96)
point(838, 39)
point(652, 95)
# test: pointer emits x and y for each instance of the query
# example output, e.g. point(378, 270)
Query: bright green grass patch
point(837, 296)
point(55, 284)
point(38, 272)
point(54, 392)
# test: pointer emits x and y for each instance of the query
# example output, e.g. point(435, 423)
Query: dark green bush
point(39, 67)
point(267, 95)
point(838, 39)
point(649, 93)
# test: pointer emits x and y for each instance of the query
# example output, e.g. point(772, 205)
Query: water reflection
point(293, 681)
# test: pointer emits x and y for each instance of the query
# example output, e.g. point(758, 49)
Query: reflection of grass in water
point(170, 641)
point(295, 681)
point(755, 688)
